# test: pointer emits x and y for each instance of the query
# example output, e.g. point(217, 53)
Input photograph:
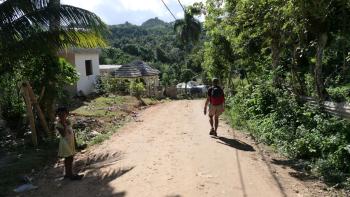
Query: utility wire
point(181, 4)
point(168, 9)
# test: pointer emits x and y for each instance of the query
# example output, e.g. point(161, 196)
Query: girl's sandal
point(76, 177)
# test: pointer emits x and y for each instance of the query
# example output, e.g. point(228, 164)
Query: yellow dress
point(67, 143)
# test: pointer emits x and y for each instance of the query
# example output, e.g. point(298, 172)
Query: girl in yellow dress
point(67, 143)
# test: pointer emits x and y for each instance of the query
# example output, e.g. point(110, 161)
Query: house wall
point(86, 84)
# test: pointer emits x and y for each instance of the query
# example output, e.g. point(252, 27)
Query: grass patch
point(108, 131)
point(151, 101)
point(103, 117)
point(106, 106)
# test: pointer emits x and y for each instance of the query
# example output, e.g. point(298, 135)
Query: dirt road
point(170, 154)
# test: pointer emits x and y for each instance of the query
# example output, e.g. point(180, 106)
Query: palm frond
point(49, 40)
point(179, 24)
point(188, 29)
point(25, 25)
point(69, 16)
point(12, 9)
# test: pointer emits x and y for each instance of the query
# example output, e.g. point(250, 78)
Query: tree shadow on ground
point(301, 169)
point(237, 144)
point(96, 180)
point(272, 171)
point(98, 161)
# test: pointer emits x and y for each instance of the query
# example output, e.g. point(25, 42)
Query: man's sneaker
point(212, 132)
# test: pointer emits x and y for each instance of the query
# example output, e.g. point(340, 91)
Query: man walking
point(215, 100)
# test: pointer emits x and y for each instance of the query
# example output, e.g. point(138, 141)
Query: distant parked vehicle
point(192, 89)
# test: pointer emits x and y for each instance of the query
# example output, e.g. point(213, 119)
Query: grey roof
point(127, 71)
point(144, 68)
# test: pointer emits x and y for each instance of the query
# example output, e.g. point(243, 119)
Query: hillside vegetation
point(156, 43)
point(269, 55)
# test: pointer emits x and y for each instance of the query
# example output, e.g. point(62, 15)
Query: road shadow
point(272, 172)
point(94, 183)
point(237, 144)
point(96, 180)
point(96, 161)
point(301, 169)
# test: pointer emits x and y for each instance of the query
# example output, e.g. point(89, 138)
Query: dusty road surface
point(168, 153)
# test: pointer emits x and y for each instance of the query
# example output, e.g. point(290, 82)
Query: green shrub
point(339, 94)
point(310, 84)
point(109, 84)
point(298, 130)
point(136, 88)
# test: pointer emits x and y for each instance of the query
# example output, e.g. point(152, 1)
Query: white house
point(87, 66)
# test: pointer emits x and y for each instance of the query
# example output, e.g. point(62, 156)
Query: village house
point(87, 66)
point(133, 71)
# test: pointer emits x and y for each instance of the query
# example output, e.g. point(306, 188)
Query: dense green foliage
point(31, 33)
point(298, 131)
point(155, 42)
point(269, 55)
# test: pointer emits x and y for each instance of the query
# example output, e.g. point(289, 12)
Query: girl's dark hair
point(62, 110)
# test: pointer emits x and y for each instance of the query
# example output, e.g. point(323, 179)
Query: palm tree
point(189, 28)
point(37, 28)
point(25, 27)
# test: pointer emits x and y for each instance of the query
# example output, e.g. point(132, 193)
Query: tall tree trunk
point(275, 50)
point(49, 102)
point(37, 107)
point(30, 115)
point(318, 71)
point(275, 53)
point(345, 65)
point(54, 5)
point(297, 83)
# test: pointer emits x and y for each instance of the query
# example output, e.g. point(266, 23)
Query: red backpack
point(216, 95)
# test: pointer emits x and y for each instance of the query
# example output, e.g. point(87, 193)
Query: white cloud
point(134, 5)
point(128, 9)
point(190, 2)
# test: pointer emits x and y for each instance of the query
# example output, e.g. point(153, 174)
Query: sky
point(134, 11)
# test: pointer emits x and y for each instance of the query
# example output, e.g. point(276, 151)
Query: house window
point(88, 67)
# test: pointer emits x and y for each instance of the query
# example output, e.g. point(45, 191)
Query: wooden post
point(37, 107)
point(30, 114)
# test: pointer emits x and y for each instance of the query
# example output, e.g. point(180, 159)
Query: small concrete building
point(87, 66)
